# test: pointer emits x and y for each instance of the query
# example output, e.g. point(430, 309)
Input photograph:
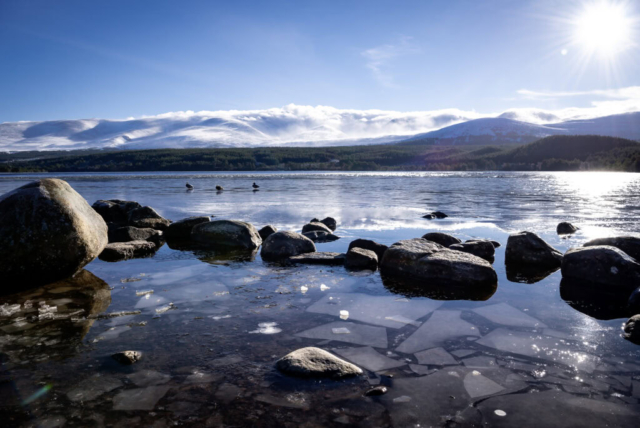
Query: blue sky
point(117, 59)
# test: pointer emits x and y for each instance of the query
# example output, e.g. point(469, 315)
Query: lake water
point(530, 354)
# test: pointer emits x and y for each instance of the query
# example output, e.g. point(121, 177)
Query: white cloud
point(379, 58)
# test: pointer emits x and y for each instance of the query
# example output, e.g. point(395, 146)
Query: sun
point(604, 28)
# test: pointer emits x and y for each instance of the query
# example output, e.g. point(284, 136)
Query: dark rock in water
point(48, 232)
point(429, 216)
point(359, 258)
point(436, 290)
point(602, 264)
point(282, 245)
point(227, 233)
point(632, 329)
point(376, 390)
point(566, 228)
point(319, 258)
point(435, 214)
point(482, 249)
point(130, 233)
point(219, 188)
point(443, 239)
point(594, 300)
point(628, 244)
point(367, 244)
point(321, 236)
point(529, 274)
point(316, 362)
point(330, 222)
point(115, 210)
point(147, 217)
point(426, 260)
point(528, 249)
point(118, 251)
point(633, 304)
point(127, 357)
point(266, 231)
point(495, 244)
point(311, 227)
point(181, 229)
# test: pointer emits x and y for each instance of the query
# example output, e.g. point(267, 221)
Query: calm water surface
point(531, 354)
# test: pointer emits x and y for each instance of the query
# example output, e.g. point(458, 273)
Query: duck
point(219, 188)
point(189, 186)
point(255, 186)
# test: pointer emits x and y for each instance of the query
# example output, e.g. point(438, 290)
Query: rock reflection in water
point(594, 300)
point(212, 254)
point(528, 275)
point(51, 321)
point(437, 291)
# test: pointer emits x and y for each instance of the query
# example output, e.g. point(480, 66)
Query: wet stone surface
point(211, 326)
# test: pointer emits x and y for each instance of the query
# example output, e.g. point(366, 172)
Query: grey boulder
point(147, 217)
point(321, 236)
point(313, 226)
point(117, 251)
point(602, 265)
point(282, 245)
point(181, 229)
point(319, 258)
point(266, 231)
point(48, 233)
point(425, 260)
point(628, 244)
point(566, 228)
point(115, 210)
point(368, 244)
point(359, 258)
point(130, 233)
point(443, 239)
point(528, 249)
point(227, 233)
point(316, 362)
point(330, 222)
point(482, 249)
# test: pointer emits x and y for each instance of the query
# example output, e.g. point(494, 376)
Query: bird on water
point(255, 186)
point(189, 186)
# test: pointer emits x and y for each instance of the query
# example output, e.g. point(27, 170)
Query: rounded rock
point(443, 239)
point(566, 228)
point(368, 244)
point(313, 226)
point(316, 362)
point(282, 245)
point(181, 229)
point(359, 258)
point(227, 233)
point(266, 231)
point(528, 249)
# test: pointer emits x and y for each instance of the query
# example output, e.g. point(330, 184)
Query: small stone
point(377, 390)
point(566, 228)
point(316, 362)
point(127, 357)
point(359, 258)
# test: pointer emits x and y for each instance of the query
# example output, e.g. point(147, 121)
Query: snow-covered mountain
point(503, 130)
point(306, 126)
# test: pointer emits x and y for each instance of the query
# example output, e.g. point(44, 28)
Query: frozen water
point(479, 362)
point(202, 377)
point(403, 320)
point(376, 310)
point(6, 310)
point(538, 346)
point(340, 330)
point(441, 326)
point(461, 353)
point(436, 357)
point(421, 370)
point(167, 308)
point(267, 328)
point(226, 361)
point(293, 402)
point(144, 378)
point(480, 386)
point(92, 388)
point(140, 398)
point(144, 292)
point(502, 313)
point(344, 315)
point(369, 358)
point(227, 392)
point(360, 334)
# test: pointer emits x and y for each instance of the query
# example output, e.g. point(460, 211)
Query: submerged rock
point(316, 362)
point(367, 244)
point(602, 303)
point(319, 258)
point(628, 244)
point(566, 228)
point(48, 232)
point(443, 239)
point(127, 357)
point(359, 258)
point(181, 229)
point(603, 265)
point(147, 217)
point(426, 260)
point(227, 233)
point(632, 329)
point(321, 236)
point(482, 249)
point(118, 251)
point(130, 233)
point(266, 231)
point(282, 245)
point(313, 226)
point(528, 249)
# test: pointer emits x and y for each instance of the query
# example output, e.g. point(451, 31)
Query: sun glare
point(604, 28)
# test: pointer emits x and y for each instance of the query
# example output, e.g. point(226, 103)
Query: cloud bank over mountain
point(289, 125)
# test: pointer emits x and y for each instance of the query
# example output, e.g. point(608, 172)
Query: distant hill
point(554, 153)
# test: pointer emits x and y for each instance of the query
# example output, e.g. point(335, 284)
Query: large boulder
point(48, 232)
point(147, 217)
point(359, 258)
point(321, 236)
point(428, 261)
point(319, 258)
point(282, 245)
point(628, 244)
point(130, 233)
point(115, 210)
point(227, 233)
point(602, 264)
point(368, 244)
point(118, 251)
point(566, 228)
point(313, 226)
point(316, 362)
point(632, 329)
point(528, 249)
point(181, 229)
point(482, 249)
point(266, 231)
point(443, 239)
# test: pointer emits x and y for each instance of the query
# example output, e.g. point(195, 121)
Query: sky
point(119, 59)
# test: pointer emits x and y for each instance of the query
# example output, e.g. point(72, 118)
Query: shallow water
point(501, 359)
